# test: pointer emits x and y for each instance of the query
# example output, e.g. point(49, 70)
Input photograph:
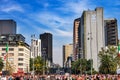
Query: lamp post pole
point(32, 51)
point(7, 56)
point(44, 58)
point(90, 38)
point(80, 57)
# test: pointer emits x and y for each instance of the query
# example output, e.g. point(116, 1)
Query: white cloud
point(59, 26)
point(76, 7)
point(12, 8)
point(115, 2)
point(7, 6)
point(62, 33)
point(51, 19)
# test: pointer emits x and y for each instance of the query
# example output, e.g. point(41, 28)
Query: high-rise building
point(35, 47)
point(75, 38)
point(18, 54)
point(111, 32)
point(7, 27)
point(67, 52)
point(46, 46)
point(91, 32)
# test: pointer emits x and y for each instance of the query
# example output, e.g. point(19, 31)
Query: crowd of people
point(89, 77)
point(61, 77)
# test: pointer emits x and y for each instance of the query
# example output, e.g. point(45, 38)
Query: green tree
point(108, 59)
point(79, 66)
point(38, 65)
point(82, 66)
point(1, 64)
point(31, 64)
point(74, 67)
point(88, 68)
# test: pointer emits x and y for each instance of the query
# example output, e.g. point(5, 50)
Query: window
point(20, 59)
point(11, 49)
point(3, 49)
point(11, 54)
point(20, 69)
point(20, 64)
point(21, 49)
point(3, 54)
point(11, 59)
point(20, 54)
point(36, 42)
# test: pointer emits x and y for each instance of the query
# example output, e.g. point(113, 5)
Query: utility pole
point(80, 57)
point(6, 56)
point(32, 51)
point(44, 58)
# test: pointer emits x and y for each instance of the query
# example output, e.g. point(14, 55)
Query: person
point(118, 74)
point(17, 78)
point(10, 77)
point(3, 78)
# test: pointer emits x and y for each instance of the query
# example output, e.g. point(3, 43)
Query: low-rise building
point(17, 54)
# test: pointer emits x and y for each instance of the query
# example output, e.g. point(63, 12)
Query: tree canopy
point(38, 65)
point(109, 60)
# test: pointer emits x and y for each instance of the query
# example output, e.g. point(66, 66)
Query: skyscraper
point(75, 37)
point(67, 52)
point(92, 35)
point(7, 27)
point(111, 32)
point(46, 46)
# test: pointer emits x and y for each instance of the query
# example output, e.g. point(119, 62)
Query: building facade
point(67, 52)
point(7, 27)
point(91, 33)
point(35, 47)
point(111, 32)
point(18, 54)
point(46, 46)
point(75, 37)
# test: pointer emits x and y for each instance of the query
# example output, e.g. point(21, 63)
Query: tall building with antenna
point(91, 35)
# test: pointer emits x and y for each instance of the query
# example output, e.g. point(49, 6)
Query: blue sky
point(54, 16)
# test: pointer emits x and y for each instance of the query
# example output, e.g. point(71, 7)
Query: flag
point(7, 48)
point(5, 56)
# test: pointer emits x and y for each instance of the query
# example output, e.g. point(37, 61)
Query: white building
point(18, 57)
point(91, 34)
point(35, 47)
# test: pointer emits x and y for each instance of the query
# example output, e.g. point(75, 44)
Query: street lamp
point(90, 38)
point(80, 57)
point(44, 58)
